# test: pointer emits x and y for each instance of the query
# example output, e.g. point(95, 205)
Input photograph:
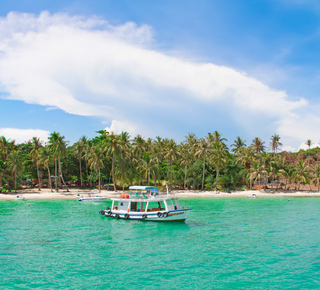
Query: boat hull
point(174, 215)
point(92, 198)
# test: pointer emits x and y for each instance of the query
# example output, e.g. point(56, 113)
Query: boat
point(146, 204)
point(90, 197)
point(252, 195)
point(18, 197)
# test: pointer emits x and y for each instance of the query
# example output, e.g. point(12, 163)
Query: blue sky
point(244, 68)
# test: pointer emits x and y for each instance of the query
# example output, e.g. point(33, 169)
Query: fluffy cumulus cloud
point(23, 135)
point(85, 66)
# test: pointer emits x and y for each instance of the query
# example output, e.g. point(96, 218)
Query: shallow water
point(263, 243)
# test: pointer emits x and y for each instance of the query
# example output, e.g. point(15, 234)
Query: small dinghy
point(90, 197)
point(252, 195)
point(18, 197)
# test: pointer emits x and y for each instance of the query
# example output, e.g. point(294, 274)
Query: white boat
point(252, 195)
point(18, 197)
point(147, 204)
point(90, 197)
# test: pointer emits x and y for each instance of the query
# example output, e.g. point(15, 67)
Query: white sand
point(30, 194)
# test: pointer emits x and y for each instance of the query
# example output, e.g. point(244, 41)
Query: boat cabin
point(149, 205)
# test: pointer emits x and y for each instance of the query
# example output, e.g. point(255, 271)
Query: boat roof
point(138, 187)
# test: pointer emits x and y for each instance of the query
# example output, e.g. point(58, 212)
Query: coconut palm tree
point(246, 157)
point(258, 171)
point(302, 173)
point(113, 148)
point(78, 151)
point(219, 158)
point(258, 145)
point(95, 157)
point(36, 146)
point(309, 145)
point(316, 176)
point(201, 150)
point(15, 166)
point(58, 149)
point(6, 146)
point(171, 153)
point(46, 160)
point(275, 143)
point(237, 145)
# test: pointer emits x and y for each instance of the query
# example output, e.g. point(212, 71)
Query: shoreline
point(46, 194)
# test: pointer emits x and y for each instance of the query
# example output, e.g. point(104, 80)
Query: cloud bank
point(85, 66)
point(24, 135)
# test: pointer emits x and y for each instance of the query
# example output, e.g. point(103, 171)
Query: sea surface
point(226, 243)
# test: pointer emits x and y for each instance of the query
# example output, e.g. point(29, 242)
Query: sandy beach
point(31, 194)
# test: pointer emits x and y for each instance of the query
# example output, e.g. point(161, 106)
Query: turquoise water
point(225, 243)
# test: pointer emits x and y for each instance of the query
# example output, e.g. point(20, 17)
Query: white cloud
point(304, 146)
point(122, 126)
point(288, 148)
point(86, 66)
point(24, 135)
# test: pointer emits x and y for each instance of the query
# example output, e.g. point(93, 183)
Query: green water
point(225, 243)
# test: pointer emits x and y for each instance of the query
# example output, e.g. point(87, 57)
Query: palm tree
point(36, 146)
point(258, 171)
point(316, 175)
point(219, 158)
point(309, 145)
point(113, 147)
point(238, 144)
point(78, 151)
point(58, 149)
point(275, 142)
point(201, 150)
point(171, 154)
point(15, 165)
point(246, 157)
point(46, 160)
point(95, 158)
point(5, 148)
point(258, 145)
point(302, 173)
point(124, 170)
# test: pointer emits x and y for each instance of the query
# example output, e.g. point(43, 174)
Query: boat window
point(156, 206)
point(134, 206)
point(142, 206)
point(116, 205)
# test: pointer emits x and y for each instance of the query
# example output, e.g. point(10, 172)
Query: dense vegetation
point(110, 158)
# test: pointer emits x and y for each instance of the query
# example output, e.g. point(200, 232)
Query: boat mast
point(167, 190)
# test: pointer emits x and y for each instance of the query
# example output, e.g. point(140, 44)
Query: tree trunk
point(171, 172)
point(62, 176)
point(38, 176)
point(15, 182)
point(55, 174)
point(50, 179)
point(217, 175)
point(99, 182)
point(114, 182)
point(185, 177)
point(203, 172)
point(80, 171)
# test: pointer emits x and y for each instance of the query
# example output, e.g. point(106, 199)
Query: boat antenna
point(167, 190)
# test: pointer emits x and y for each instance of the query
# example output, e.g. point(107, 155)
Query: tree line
point(195, 163)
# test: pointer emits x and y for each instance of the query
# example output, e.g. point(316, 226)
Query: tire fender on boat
point(165, 214)
point(159, 214)
point(117, 216)
point(109, 213)
point(102, 212)
point(144, 216)
point(126, 216)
